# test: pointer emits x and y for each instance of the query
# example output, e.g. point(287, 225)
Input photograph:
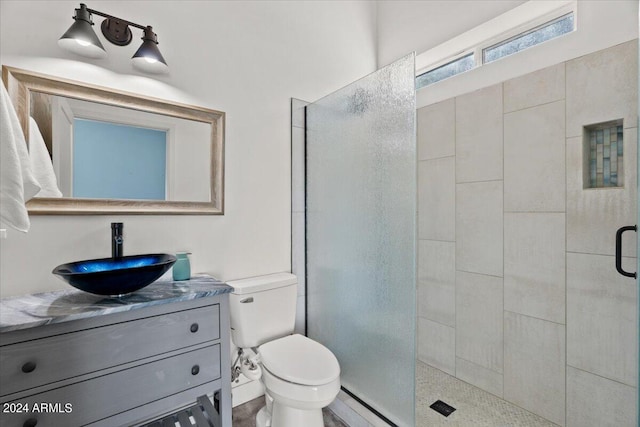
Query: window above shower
point(508, 34)
point(547, 31)
point(457, 66)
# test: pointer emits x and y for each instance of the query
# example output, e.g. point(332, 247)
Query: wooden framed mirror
point(115, 152)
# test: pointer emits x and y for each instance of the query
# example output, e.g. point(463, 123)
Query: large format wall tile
point(437, 345)
point(594, 215)
point(602, 330)
point(437, 281)
point(593, 401)
point(558, 335)
point(603, 86)
point(437, 130)
point(534, 265)
point(534, 365)
point(479, 376)
point(479, 135)
point(479, 319)
point(534, 159)
point(479, 221)
point(436, 199)
point(537, 88)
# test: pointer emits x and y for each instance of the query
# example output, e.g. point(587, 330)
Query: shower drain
point(442, 408)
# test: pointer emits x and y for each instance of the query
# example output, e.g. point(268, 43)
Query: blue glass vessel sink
point(115, 276)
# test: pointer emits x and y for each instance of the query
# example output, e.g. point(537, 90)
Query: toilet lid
point(300, 360)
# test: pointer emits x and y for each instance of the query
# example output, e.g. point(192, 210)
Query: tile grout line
point(594, 254)
point(533, 212)
point(436, 158)
point(437, 240)
point(601, 376)
point(504, 358)
point(436, 321)
point(535, 317)
point(455, 237)
point(534, 106)
point(480, 274)
point(481, 181)
point(566, 192)
point(483, 367)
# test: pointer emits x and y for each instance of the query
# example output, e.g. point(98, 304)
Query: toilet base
point(263, 418)
point(286, 416)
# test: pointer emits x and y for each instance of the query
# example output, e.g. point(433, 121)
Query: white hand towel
point(17, 183)
point(41, 163)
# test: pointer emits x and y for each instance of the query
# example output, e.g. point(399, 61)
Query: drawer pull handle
point(29, 367)
point(194, 328)
point(31, 422)
point(195, 370)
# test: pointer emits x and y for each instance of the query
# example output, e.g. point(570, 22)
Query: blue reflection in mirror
point(116, 161)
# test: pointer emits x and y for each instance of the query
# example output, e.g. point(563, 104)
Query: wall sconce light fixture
point(82, 40)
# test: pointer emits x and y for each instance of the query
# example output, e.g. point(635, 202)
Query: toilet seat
point(299, 360)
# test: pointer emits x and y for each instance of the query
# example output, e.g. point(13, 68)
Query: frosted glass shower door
point(361, 235)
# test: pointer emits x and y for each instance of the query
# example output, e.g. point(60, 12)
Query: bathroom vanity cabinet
point(74, 359)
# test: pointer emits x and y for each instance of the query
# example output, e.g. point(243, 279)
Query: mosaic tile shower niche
point(604, 155)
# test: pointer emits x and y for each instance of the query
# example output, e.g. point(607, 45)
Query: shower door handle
point(619, 233)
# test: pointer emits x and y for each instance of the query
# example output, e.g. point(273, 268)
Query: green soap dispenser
point(182, 267)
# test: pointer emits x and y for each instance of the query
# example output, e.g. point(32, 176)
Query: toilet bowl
point(300, 375)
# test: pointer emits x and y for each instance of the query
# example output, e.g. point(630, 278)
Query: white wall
point(245, 58)
point(407, 26)
point(436, 26)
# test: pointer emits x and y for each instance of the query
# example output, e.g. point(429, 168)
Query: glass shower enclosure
point(361, 235)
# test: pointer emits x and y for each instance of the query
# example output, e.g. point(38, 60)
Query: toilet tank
point(262, 308)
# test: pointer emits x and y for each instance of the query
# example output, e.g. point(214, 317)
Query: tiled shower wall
point(517, 289)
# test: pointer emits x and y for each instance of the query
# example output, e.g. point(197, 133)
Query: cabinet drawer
point(38, 362)
point(89, 401)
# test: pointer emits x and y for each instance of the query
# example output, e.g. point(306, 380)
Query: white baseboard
point(245, 390)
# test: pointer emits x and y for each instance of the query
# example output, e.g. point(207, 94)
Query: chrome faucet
point(117, 241)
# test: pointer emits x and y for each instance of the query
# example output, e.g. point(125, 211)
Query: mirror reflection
point(101, 150)
point(91, 150)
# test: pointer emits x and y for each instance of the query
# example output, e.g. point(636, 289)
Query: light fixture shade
point(148, 57)
point(80, 37)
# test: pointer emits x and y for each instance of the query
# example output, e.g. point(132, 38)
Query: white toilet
point(300, 375)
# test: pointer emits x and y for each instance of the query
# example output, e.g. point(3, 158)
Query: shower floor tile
point(474, 407)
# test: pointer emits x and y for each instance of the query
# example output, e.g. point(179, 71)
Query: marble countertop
point(30, 311)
